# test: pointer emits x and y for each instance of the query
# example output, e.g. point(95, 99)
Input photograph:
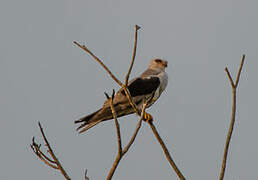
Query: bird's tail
point(86, 122)
point(102, 114)
point(93, 119)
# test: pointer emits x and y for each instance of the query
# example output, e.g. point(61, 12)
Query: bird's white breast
point(163, 77)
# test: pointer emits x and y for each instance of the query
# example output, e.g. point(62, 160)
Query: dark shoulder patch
point(142, 86)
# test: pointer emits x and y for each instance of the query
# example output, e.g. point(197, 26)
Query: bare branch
point(36, 149)
point(114, 166)
point(119, 143)
point(85, 175)
point(52, 163)
point(134, 54)
point(166, 152)
point(233, 117)
point(240, 70)
point(111, 74)
point(124, 151)
point(230, 78)
point(137, 111)
point(100, 62)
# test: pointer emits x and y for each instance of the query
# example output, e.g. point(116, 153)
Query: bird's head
point(158, 64)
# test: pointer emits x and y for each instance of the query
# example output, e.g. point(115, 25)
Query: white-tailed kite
point(148, 86)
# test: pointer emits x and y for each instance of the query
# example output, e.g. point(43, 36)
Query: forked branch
point(137, 111)
point(122, 152)
point(124, 86)
point(234, 86)
point(54, 162)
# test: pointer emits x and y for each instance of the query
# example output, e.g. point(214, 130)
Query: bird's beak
point(165, 63)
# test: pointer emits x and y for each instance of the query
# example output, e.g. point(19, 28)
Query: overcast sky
point(45, 77)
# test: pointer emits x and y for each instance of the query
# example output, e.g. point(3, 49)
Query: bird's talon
point(147, 117)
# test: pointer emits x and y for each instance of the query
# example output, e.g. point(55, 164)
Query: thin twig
point(230, 78)
point(119, 143)
point(166, 152)
point(100, 62)
point(129, 72)
point(52, 163)
point(233, 117)
point(41, 155)
point(47, 158)
point(36, 148)
point(240, 70)
point(119, 154)
point(85, 175)
point(134, 54)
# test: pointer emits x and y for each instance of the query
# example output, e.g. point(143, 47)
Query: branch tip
point(85, 175)
point(230, 78)
point(113, 94)
point(107, 96)
point(233, 116)
point(240, 70)
point(137, 27)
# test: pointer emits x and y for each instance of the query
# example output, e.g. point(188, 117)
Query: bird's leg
point(147, 117)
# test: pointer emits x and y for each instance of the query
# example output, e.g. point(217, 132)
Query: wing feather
point(143, 86)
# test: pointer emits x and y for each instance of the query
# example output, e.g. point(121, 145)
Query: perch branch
point(137, 111)
point(233, 116)
point(166, 152)
point(111, 74)
point(52, 163)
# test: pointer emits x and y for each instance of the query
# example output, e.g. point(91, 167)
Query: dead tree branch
point(85, 175)
point(134, 54)
point(124, 86)
point(111, 74)
point(100, 62)
point(122, 152)
point(166, 152)
point(54, 162)
point(119, 142)
point(233, 116)
point(137, 111)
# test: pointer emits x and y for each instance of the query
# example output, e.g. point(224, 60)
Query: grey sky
point(45, 77)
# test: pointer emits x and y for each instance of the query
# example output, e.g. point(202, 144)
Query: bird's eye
point(158, 60)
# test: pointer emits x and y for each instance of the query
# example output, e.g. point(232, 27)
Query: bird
point(145, 88)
